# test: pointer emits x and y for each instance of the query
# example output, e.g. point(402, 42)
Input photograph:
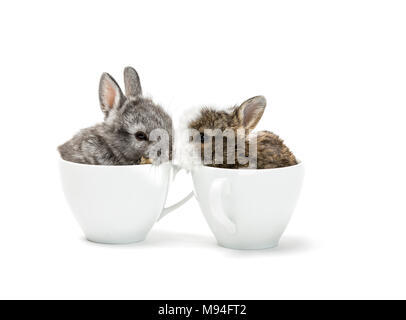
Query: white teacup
point(246, 208)
point(117, 204)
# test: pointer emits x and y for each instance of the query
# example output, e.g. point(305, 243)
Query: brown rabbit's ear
point(110, 94)
point(251, 111)
point(132, 82)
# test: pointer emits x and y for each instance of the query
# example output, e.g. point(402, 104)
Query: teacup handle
point(165, 211)
point(216, 204)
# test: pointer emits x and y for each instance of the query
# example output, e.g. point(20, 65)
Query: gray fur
point(132, 83)
point(113, 141)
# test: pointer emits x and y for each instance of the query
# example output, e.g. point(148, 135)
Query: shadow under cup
point(115, 204)
point(247, 208)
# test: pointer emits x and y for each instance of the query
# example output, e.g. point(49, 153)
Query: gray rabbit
point(128, 134)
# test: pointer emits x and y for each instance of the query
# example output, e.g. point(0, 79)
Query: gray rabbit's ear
point(132, 83)
point(251, 111)
point(110, 94)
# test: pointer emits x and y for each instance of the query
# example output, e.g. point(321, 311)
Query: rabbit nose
point(145, 160)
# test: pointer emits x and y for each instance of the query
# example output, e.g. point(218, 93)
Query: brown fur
point(213, 119)
point(271, 151)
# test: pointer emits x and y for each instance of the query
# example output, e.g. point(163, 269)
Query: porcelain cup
point(117, 204)
point(247, 208)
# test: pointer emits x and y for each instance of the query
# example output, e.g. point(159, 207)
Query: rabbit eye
point(142, 136)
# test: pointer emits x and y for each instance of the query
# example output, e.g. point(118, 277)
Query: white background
point(334, 74)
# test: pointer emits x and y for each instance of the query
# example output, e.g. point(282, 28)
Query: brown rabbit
point(271, 151)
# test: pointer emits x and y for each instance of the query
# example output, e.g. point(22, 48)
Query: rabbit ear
point(110, 94)
point(132, 83)
point(251, 111)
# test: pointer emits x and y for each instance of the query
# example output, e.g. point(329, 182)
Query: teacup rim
point(110, 166)
point(247, 170)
